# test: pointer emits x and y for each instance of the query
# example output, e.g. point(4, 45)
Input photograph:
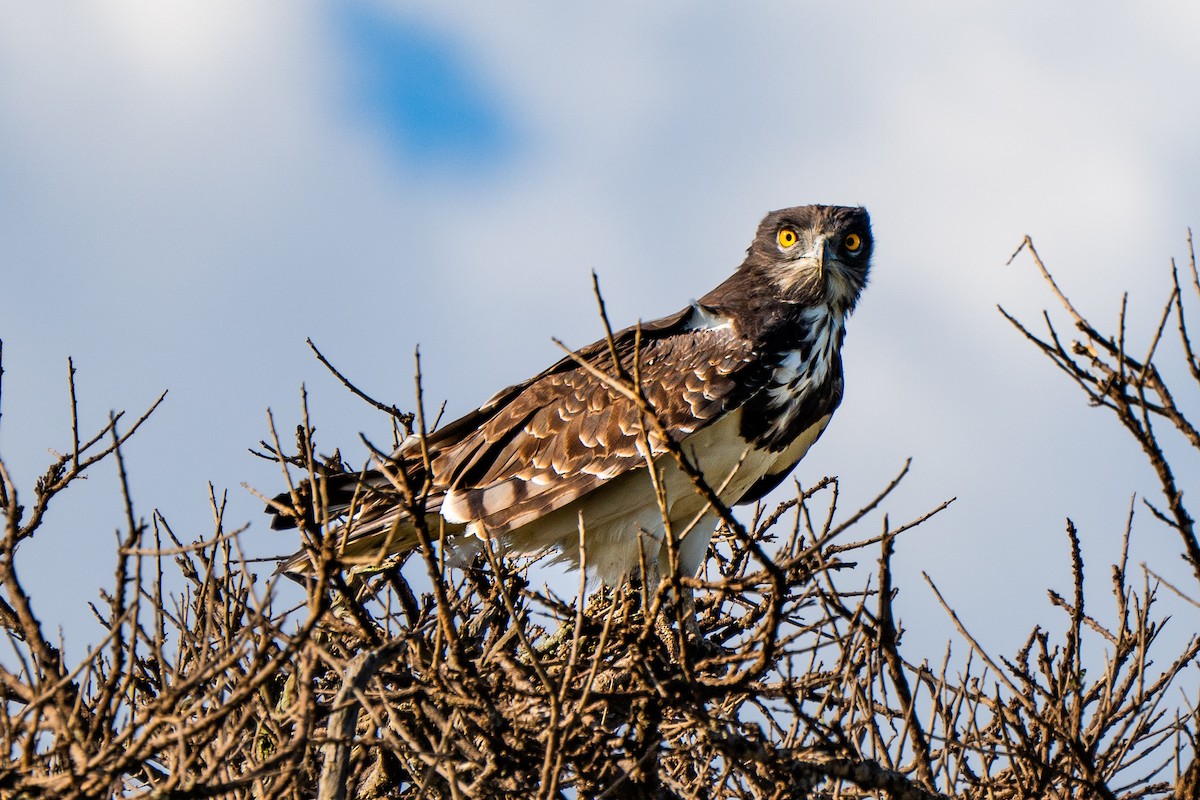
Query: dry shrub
point(421, 680)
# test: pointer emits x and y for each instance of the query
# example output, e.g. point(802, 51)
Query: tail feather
point(339, 490)
point(366, 516)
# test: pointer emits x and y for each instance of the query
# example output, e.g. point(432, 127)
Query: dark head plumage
point(815, 254)
point(800, 258)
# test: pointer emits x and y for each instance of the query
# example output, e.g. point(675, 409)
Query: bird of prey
point(742, 382)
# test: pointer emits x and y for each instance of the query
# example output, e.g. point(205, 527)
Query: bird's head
point(814, 254)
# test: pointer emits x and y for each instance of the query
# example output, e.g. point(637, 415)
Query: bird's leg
point(666, 634)
point(595, 607)
point(690, 635)
point(679, 607)
point(691, 625)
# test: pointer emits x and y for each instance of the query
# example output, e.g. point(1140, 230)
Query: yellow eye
point(853, 242)
point(787, 237)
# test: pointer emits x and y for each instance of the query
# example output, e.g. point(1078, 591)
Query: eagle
point(740, 383)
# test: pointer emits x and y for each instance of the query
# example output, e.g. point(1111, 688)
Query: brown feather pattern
point(764, 344)
point(570, 431)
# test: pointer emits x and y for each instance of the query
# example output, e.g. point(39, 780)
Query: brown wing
point(568, 431)
point(537, 446)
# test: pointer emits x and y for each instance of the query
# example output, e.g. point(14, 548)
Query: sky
point(190, 190)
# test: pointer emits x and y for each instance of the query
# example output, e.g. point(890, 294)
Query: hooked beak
point(817, 255)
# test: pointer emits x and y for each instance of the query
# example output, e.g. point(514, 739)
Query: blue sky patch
point(420, 87)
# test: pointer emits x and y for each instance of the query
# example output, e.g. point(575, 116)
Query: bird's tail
point(365, 514)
